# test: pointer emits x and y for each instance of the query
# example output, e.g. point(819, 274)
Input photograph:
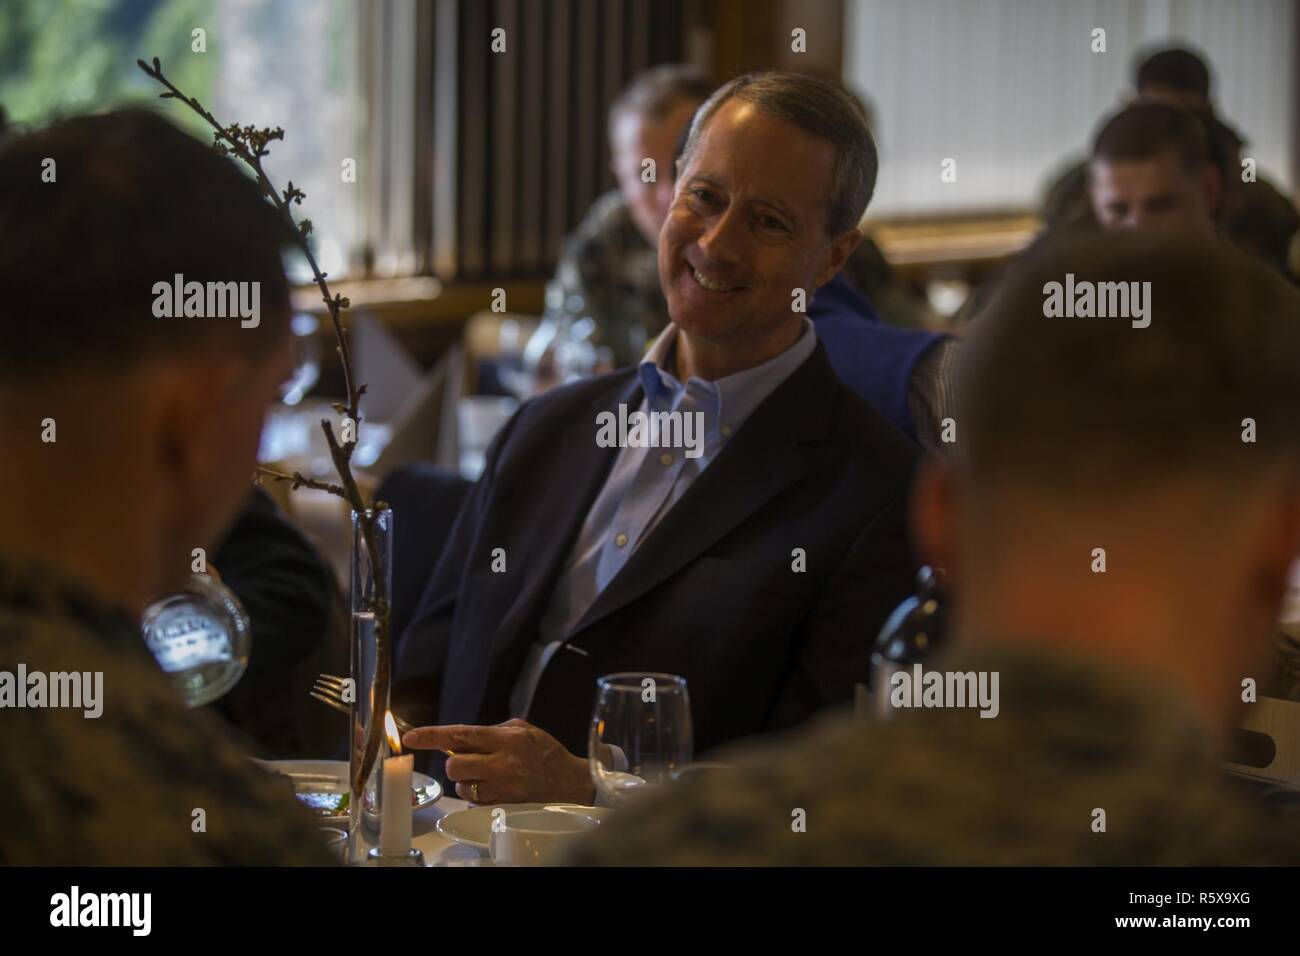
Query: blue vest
point(873, 358)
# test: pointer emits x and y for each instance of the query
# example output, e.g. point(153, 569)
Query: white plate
point(323, 783)
point(473, 827)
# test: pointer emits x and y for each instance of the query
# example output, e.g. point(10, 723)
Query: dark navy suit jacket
point(710, 594)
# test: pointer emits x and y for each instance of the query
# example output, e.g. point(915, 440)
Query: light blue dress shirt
point(645, 482)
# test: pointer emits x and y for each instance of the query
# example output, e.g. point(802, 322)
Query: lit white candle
point(395, 820)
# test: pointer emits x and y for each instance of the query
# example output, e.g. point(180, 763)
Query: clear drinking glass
point(640, 734)
point(201, 637)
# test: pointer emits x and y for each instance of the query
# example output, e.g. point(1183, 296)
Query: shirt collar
point(736, 396)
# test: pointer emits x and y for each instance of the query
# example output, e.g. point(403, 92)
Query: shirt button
point(726, 431)
point(621, 540)
point(665, 459)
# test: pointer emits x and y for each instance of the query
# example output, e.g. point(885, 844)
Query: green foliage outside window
point(59, 57)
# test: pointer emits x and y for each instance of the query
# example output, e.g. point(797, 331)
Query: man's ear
point(189, 398)
point(839, 253)
point(934, 516)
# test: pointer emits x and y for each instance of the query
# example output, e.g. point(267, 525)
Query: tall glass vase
point(371, 655)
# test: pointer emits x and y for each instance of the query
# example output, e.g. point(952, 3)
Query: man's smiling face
point(747, 227)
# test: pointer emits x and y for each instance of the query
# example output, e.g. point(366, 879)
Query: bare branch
point(250, 144)
point(299, 481)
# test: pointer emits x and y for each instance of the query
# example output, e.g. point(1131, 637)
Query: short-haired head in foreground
point(133, 201)
point(1134, 491)
point(818, 106)
point(1097, 408)
point(131, 429)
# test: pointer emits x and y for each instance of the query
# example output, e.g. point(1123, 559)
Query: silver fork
point(329, 691)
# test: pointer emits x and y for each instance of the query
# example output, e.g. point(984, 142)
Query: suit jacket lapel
point(558, 513)
point(760, 461)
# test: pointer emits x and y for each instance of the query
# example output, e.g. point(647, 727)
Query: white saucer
point(473, 827)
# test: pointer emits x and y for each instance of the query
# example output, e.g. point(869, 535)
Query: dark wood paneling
point(519, 138)
point(474, 125)
point(507, 145)
point(532, 158)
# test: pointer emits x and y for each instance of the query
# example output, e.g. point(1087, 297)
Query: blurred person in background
point(609, 264)
point(1151, 168)
point(1256, 216)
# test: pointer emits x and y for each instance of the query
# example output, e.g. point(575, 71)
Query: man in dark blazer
point(756, 558)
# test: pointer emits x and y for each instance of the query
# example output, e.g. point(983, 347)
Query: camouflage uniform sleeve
point(147, 782)
point(587, 261)
point(756, 814)
point(608, 265)
point(946, 787)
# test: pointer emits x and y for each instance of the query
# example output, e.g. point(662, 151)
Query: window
point(1012, 91)
point(292, 63)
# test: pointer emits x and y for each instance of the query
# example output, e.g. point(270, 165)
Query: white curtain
point(1011, 90)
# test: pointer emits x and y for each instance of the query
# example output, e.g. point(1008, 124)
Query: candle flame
point(390, 727)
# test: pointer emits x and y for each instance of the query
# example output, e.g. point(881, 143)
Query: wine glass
point(640, 734)
point(200, 637)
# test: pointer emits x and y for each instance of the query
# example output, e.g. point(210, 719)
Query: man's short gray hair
point(823, 108)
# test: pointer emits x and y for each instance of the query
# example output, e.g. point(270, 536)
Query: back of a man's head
point(94, 212)
point(1174, 74)
point(1128, 457)
point(144, 333)
point(1110, 410)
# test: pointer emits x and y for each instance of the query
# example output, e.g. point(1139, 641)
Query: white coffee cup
point(536, 837)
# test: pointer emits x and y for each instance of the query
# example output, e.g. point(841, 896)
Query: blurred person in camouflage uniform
point(128, 440)
point(610, 263)
point(1118, 687)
